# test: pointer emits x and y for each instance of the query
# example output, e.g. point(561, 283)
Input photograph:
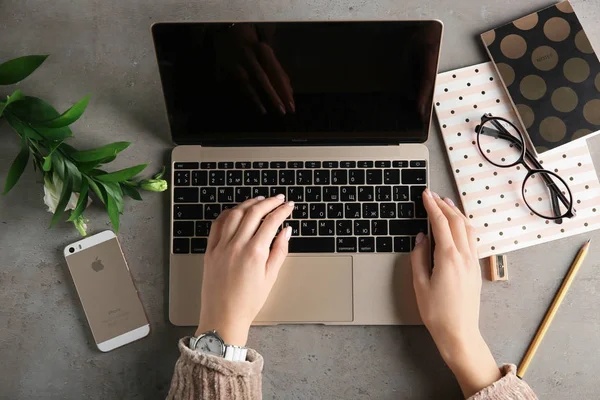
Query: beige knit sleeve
point(206, 377)
point(508, 387)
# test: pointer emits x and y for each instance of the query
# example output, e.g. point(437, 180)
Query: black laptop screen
point(290, 82)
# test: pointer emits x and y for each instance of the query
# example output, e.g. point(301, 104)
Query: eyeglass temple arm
point(503, 134)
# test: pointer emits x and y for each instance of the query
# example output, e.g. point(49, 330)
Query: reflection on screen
point(317, 81)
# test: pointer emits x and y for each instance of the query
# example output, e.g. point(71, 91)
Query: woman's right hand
point(448, 297)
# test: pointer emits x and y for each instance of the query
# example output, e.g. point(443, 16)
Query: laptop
point(333, 115)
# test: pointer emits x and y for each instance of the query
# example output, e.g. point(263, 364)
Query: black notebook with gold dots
point(551, 73)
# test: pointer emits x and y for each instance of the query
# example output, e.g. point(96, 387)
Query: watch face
point(211, 345)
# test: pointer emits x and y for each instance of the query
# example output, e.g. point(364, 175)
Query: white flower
point(52, 190)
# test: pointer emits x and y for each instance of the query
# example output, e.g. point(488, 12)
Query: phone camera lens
point(72, 250)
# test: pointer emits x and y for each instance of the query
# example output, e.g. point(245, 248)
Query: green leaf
point(160, 174)
point(131, 192)
point(74, 173)
point(114, 190)
point(16, 70)
point(16, 96)
point(96, 189)
point(69, 116)
point(113, 213)
point(47, 163)
point(100, 153)
point(17, 167)
point(122, 175)
point(20, 127)
point(32, 110)
point(2, 107)
point(86, 167)
point(64, 200)
point(81, 203)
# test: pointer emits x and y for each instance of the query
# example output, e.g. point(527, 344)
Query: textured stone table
point(105, 48)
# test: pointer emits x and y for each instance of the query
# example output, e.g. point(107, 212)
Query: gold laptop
point(332, 114)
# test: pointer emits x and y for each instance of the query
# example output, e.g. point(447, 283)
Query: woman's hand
point(448, 297)
point(239, 268)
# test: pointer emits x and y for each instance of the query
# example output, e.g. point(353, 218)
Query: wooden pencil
point(541, 332)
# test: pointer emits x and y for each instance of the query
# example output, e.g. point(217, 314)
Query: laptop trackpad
point(311, 289)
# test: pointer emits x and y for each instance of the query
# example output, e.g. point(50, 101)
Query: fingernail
point(290, 203)
point(435, 195)
point(419, 238)
point(449, 201)
point(280, 196)
point(427, 192)
point(260, 198)
point(288, 233)
point(282, 109)
point(292, 106)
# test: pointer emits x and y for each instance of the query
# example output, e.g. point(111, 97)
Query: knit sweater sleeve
point(206, 377)
point(509, 387)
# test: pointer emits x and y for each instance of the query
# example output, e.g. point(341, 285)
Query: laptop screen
point(298, 82)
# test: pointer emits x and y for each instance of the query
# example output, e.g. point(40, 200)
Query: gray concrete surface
point(104, 47)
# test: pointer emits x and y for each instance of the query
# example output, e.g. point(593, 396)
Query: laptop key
point(225, 195)
point(391, 176)
point(362, 227)
point(343, 228)
point(379, 227)
point(335, 210)
point(295, 164)
point(269, 178)
point(182, 178)
point(203, 228)
point(321, 177)
point(181, 245)
point(383, 164)
point(208, 195)
point(300, 211)
point(313, 193)
point(260, 191)
point(365, 164)
point(406, 210)
point(234, 178)
point(308, 228)
point(326, 228)
point(277, 164)
point(243, 165)
point(331, 164)
point(304, 177)
point(418, 164)
point(311, 245)
point(287, 177)
point(346, 245)
point(402, 244)
point(366, 244)
point(225, 165)
point(227, 206)
point(384, 244)
point(208, 165)
point(387, 210)
point(295, 227)
point(356, 176)
point(185, 195)
point(339, 177)
point(295, 194)
point(317, 211)
point(183, 228)
point(374, 177)
point(199, 178)
point(185, 165)
point(348, 193)
point(352, 210)
point(365, 193)
point(416, 194)
point(312, 164)
point(216, 178)
point(275, 190)
point(383, 193)
point(242, 194)
point(252, 178)
point(401, 193)
point(212, 211)
point(406, 227)
point(400, 164)
point(260, 164)
point(187, 211)
point(199, 245)
point(370, 210)
point(331, 193)
point(414, 176)
point(420, 211)
point(347, 164)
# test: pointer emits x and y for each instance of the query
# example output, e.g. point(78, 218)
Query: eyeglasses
point(502, 144)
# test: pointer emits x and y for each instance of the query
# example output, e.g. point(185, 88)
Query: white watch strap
point(235, 353)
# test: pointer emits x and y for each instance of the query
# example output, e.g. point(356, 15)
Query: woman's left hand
point(239, 266)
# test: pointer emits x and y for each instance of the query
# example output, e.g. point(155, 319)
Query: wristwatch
point(211, 343)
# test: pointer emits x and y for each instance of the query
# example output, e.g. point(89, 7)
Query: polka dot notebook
point(492, 196)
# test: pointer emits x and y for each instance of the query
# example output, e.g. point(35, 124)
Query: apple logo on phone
point(97, 265)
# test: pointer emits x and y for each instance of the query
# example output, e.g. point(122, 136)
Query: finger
point(214, 237)
point(278, 253)
point(254, 215)
point(456, 223)
point(236, 214)
point(242, 76)
point(263, 79)
point(268, 229)
point(420, 260)
point(277, 75)
point(439, 223)
point(471, 233)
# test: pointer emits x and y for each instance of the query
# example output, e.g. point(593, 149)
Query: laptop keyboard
point(340, 206)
